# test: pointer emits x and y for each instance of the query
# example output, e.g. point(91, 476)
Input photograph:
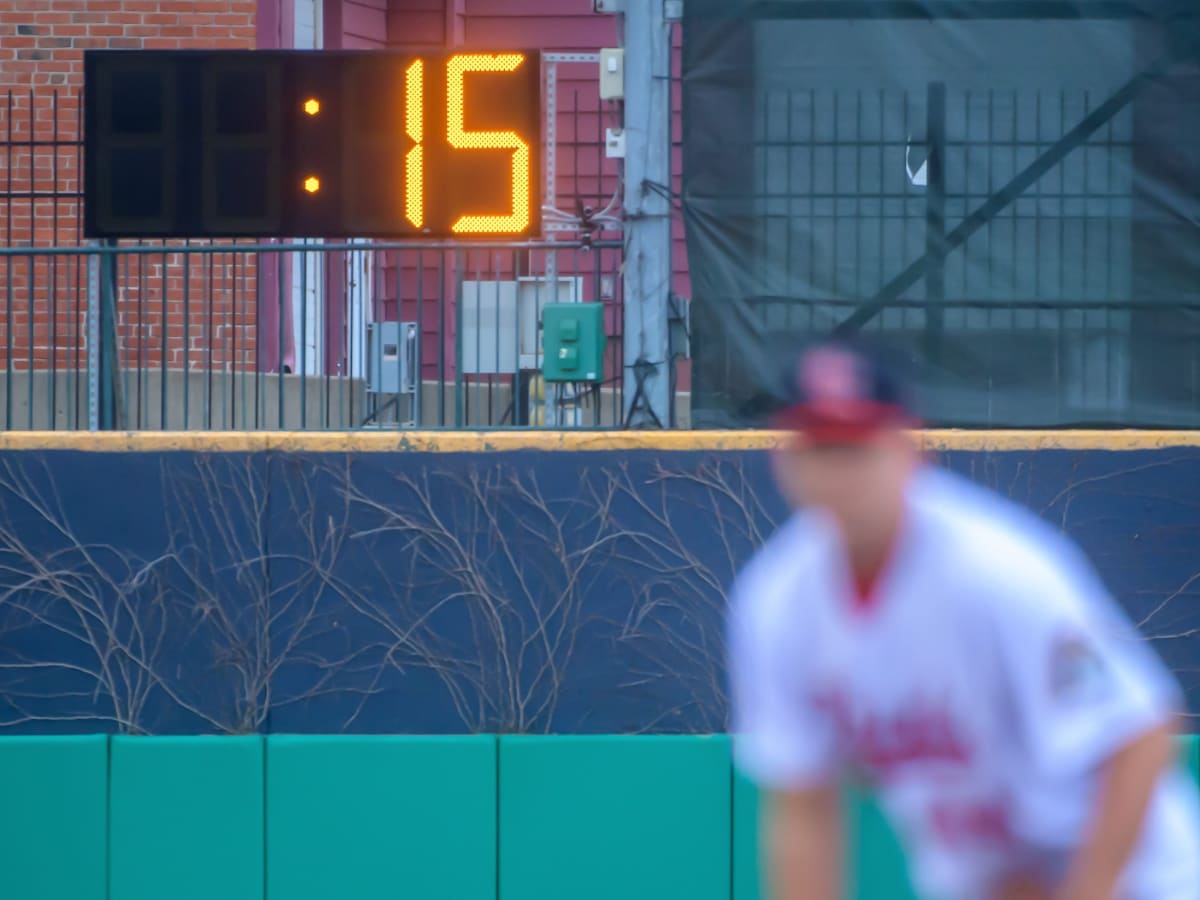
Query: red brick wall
point(41, 75)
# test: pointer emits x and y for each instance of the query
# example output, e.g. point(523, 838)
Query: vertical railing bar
point(165, 352)
point(330, 348)
point(459, 386)
point(30, 283)
point(74, 339)
point(280, 413)
point(303, 373)
point(494, 376)
point(418, 375)
point(53, 266)
point(472, 388)
point(401, 338)
point(138, 353)
point(209, 336)
point(121, 373)
point(233, 364)
point(520, 380)
point(598, 388)
point(353, 331)
point(187, 321)
point(260, 399)
point(223, 386)
point(441, 338)
point(31, 294)
point(141, 343)
point(8, 269)
point(80, 271)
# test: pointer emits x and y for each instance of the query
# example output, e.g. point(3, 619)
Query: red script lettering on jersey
point(882, 745)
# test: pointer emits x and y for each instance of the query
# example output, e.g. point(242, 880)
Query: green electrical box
point(573, 342)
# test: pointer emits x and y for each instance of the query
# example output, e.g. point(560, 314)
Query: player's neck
point(870, 554)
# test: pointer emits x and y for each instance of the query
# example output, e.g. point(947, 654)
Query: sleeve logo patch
point(1076, 670)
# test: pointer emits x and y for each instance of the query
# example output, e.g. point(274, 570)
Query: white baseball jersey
point(976, 690)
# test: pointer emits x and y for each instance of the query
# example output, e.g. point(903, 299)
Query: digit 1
point(461, 139)
point(414, 160)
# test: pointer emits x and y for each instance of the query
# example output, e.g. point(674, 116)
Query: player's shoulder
point(1008, 553)
point(788, 565)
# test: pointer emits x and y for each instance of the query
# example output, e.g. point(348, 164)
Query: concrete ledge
point(562, 441)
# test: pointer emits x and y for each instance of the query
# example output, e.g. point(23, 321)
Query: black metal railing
point(301, 334)
point(298, 336)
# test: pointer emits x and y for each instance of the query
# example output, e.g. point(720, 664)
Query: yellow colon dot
point(312, 184)
point(312, 106)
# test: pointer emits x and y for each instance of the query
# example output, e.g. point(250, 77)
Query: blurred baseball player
point(963, 658)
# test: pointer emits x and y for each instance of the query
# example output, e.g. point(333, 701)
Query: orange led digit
point(414, 160)
point(456, 67)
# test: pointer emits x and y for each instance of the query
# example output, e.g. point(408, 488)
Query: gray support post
point(93, 339)
point(647, 270)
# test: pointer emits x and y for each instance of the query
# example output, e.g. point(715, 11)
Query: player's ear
point(782, 459)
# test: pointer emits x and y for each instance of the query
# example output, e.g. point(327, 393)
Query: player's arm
point(787, 746)
point(1126, 784)
point(1090, 697)
point(802, 844)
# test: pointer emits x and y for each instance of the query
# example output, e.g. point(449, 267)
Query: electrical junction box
point(573, 342)
point(612, 74)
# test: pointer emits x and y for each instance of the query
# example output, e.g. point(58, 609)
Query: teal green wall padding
point(53, 811)
point(875, 870)
point(186, 818)
point(876, 865)
point(746, 856)
point(1191, 753)
point(594, 818)
point(402, 818)
point(369, 818)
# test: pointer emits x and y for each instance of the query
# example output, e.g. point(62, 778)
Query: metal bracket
point(673, 10)
point(570, 57)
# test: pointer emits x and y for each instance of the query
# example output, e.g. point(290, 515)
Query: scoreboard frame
point(396, 144)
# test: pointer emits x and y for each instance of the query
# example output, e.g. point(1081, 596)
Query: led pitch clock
point(254, 143)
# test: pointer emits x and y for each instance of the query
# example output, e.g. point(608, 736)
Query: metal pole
point(647, 274)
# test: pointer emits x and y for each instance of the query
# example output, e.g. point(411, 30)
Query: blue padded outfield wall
point(465, 583)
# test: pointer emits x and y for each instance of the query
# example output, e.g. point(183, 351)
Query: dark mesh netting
point(1007, 193)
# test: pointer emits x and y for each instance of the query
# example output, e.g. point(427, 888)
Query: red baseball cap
point(840, 393)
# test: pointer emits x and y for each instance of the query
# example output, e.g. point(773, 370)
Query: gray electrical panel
point(393, 373)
